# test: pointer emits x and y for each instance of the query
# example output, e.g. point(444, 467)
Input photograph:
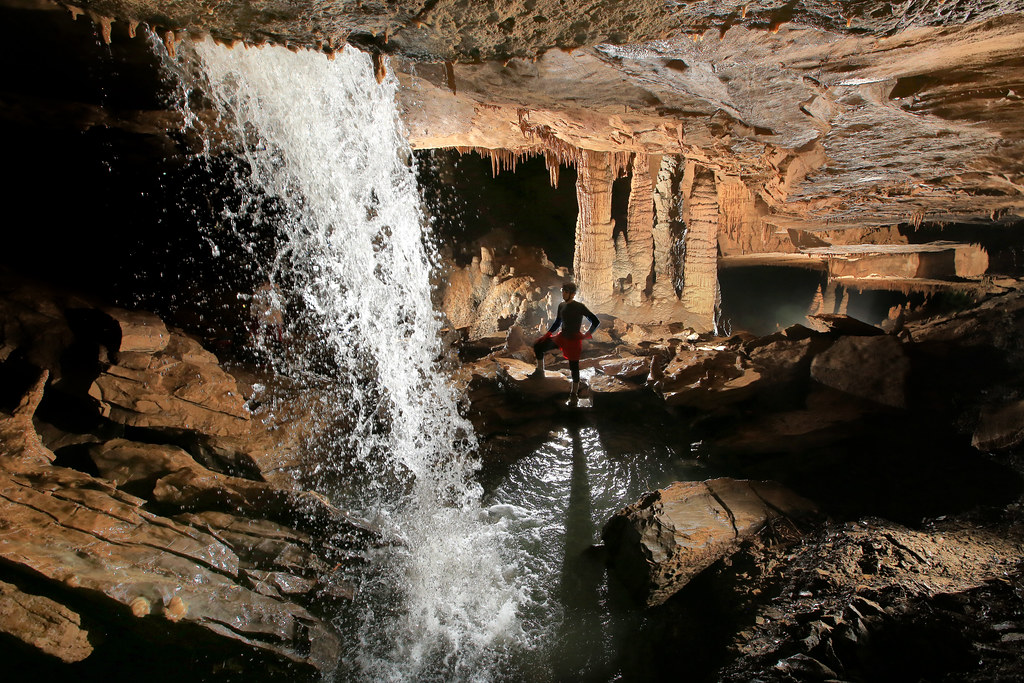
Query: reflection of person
point(570, 318)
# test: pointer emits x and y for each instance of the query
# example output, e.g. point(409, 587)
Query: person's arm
point(594, 322)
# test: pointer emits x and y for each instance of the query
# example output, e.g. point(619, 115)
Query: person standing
point(569, 317)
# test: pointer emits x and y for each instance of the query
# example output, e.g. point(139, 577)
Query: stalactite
point(640, 229)
point(700, 264)
point(380, 69)
point(133, 26)
point(667, 226)
point(595, 250)
point(105, 26)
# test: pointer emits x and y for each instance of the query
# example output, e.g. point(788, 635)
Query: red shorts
point(571, 345)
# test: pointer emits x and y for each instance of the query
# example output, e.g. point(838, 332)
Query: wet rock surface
point(112, 537)
point(661, 542)
point(914, 567)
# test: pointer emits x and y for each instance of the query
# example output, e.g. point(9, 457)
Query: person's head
point(568, 291)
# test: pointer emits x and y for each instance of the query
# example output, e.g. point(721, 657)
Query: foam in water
point(323, 139)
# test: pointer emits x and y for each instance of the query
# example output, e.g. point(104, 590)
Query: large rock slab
point(179, 387)
point(43, 624)
point(169, 475)
point(68, 527)
point(662, 541)
point(875, 368)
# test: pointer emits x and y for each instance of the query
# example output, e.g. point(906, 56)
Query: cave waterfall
point(323, 139)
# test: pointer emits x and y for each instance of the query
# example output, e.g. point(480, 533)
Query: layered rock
point(100, 548)
point(43, 623)
point(659, 543)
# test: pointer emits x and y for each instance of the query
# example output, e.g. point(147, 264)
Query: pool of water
point(555, 497)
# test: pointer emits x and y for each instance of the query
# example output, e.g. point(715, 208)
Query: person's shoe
point(538, 373)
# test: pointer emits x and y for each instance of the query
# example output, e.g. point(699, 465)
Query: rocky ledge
point(135, 504)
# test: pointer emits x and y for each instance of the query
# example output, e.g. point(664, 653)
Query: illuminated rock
point(659, 543)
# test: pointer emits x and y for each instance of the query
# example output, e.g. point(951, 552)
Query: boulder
point(141, 332)
point(626, 366)
point(43, 624)
point(659, 543)
point(1000, 427)
point(708, 378)
point(875, 368)
point(180, 387)
point(784, 358)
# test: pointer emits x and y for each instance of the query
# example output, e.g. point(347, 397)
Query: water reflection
point(555, 497)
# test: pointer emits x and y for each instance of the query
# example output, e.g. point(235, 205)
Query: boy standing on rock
point(570, 318)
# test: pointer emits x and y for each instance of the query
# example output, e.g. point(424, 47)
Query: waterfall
point(321, 139)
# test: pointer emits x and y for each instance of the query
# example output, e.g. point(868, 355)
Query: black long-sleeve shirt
point(570, 316)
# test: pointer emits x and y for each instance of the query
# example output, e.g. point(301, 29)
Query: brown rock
point(68, 527)
point(22, 447)
point(171, 476)
point(874, 368)
point(662, 541)
point(626, 366)
point(141, 332)
point(708, 378)
point(44, 624)
point(1000, 427)
point(843, 324)
point(179, 387)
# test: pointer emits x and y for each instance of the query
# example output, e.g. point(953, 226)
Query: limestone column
point(640, 229)
point(667, 225)
point(700, 264)
point(595, 248)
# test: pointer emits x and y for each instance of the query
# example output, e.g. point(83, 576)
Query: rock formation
point(595, 250)
point(662, 541)
point(700, 263)
point(154, 533)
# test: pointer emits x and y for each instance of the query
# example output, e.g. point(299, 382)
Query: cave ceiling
point(838, 115)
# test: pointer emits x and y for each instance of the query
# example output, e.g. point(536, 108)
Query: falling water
point(321, 138)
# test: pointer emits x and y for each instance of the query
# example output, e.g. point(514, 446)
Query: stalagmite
point(595, 249)
point(667, 226)
point(640, 229)
point(700, 265)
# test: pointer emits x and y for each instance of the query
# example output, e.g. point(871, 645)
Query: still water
point(555, 497)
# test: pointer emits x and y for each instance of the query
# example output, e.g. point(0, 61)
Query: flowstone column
point(667, 226)
point(640, 229)
point(595, 248)
point(700, 264)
